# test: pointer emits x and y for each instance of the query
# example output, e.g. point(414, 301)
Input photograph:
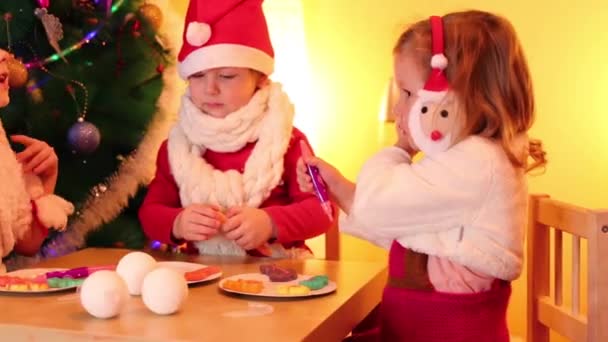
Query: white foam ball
point(164, 291)
point(103, 294)
point(133, 267)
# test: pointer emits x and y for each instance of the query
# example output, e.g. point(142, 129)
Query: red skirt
point(411, 310)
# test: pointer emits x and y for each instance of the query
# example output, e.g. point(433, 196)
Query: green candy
point(316, 282)
point(64, 282)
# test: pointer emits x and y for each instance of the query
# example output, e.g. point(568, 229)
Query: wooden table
point(208, 314)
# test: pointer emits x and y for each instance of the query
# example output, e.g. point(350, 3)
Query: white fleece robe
point(15, 206)
point(467, 204)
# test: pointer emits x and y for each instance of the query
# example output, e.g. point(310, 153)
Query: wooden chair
point(546, 312)
point(332, 242)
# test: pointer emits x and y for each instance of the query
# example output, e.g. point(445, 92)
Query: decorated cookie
point(201, 273)
point(278, 274)
point(64, 282)
point(293, 290)
point(316, 282)
point(12, 283)
point(244, 285)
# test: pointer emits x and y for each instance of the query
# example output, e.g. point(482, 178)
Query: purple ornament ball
point(84, 137)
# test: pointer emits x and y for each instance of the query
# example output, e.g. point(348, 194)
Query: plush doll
point(52, 211)
point(22, 196)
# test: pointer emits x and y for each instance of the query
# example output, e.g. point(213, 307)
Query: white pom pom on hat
point(225, 33)
point(439, 61)
point(437, 80)
point(197, 33)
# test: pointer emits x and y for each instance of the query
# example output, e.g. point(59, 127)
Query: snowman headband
point(437, 80)
point(434, 93)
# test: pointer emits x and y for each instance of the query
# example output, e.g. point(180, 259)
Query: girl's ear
point(263, 80)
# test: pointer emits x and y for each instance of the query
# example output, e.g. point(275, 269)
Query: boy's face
point(221, 91)
point(4, 97)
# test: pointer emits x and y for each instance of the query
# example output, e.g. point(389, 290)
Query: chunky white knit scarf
point(267, 119)
point(15, 207)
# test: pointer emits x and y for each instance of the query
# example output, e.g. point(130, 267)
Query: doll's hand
point(248, 227)
point(198, 222)
point(40, 159)
point(53, 211)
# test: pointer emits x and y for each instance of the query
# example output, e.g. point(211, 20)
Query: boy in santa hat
point(226, 176)
point(27, 179)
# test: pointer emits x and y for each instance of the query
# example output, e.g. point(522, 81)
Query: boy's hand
point(198, 222)
point(248, 227)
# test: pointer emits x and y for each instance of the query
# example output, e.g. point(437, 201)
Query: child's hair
point(488, 72)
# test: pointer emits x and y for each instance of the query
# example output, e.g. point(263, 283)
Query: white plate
point(270, 288)
point(33, 273)
point(183, 267)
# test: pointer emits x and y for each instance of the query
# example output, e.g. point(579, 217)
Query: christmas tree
point(89, 78)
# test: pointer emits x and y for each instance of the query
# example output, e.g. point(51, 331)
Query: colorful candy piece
point(18, 287)
point(266, 268)
point(64, 282)
point(78, 272)
point(39, 286)
point(278, 274)
point(316, 282)
point(15, 283)
point(201, 273)
point(12, 283)
point(4, 281)
point(265, 249)
point(293, 290)
point(244, 285)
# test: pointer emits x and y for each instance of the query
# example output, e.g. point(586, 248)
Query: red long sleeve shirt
point(297, 215)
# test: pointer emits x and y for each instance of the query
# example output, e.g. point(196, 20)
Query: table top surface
point(209, 313)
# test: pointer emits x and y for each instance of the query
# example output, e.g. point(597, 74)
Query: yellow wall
point(349, 44)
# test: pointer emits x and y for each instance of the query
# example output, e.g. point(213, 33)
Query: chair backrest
point(332, 242)
point(547, 311)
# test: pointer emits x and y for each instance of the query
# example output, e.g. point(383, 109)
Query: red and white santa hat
point(437, 84)
point(225, 33)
